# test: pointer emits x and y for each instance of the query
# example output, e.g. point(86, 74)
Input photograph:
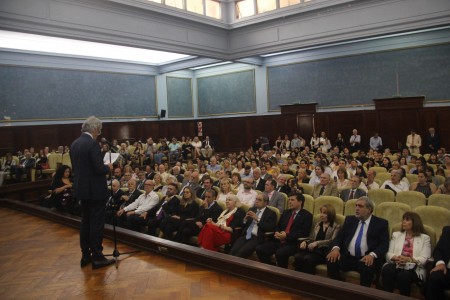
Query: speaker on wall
point(163, 113)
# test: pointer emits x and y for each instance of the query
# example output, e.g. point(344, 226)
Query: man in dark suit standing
point(360, 245)
point(433, 142)
point(258, 221)
point(354, 192)
point(439, 279)
point(294, 223)
point(89, 182)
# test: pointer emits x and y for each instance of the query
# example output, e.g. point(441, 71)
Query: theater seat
point(412, 198)
point(379, 196)
point(391, 211)
point(436, 217)
point(337, 203)
point(440, 200)
point(307, 188)
point(309, 203)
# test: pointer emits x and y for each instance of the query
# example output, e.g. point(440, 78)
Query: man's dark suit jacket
point(117, 198)
point(213, 212)
point(261, 185)
point(267, 223)
point(434, 141)
point(201, 193)
point(284, 189)
point(358, 193)
point(301, 227)
point(442, 249)
point(131, 197)
point(172, 207)
point(377, 236)
point(89, 180)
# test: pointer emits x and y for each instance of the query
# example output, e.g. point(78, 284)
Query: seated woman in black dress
point(314, 250)
point(187, 210)
point(62, 189)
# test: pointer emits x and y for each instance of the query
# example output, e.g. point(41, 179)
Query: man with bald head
point(114, 202)
point(193, 182)
point(132, 194)
point(134, 215)
point(325, 187)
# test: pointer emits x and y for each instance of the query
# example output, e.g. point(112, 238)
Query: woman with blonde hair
point(225, 190)
point(216, 234)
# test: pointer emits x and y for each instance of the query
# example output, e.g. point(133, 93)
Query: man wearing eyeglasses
point(134, 215)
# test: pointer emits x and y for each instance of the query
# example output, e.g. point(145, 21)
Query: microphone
point(111, 146)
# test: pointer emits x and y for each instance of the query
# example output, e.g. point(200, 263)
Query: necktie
point(358, 240)
point(289, 225)
point(322, 189)
point(250, 228)
point(160, 213)
point(352, 194)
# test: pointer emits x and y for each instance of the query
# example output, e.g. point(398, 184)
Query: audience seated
point(135, 215)
point(325, 187)
point(62, 193)
point(354, 192)
point(294, 223)
point(209, 209)
point(258, 221)
point(439, 277)
point(247, 195)
point(423, 186)
point(395, 183)
point(360, 245)
point(168, 206)
point(409, 250)
point(313, 250)
point(276, 199)
point(187, 211)
point(215, 234)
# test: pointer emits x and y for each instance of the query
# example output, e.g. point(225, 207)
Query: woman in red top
point(214, 235)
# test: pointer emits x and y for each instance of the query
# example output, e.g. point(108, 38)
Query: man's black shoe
point(102, 263)
point(85, 260)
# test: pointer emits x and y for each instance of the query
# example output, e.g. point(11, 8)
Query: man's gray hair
point(368, 203)
point(91, 124)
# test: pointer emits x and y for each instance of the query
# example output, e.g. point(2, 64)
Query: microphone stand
point(116, 252)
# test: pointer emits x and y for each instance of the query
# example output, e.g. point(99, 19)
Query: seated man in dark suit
point(354, 192)
point(360, 245)
point(114, 201)
point(128, 197)
point(258, 183)
point(281, 185)
point(294, 223)
point(258, 220)
point(166, 207)
point(439, 279)
point(208, 210)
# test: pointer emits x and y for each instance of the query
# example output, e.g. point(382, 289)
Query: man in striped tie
point(360, 245)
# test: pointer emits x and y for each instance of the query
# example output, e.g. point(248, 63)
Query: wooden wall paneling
point(305, 125)
point(7, 139)
point(232, 134)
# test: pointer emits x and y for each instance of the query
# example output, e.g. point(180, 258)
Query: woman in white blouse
point(409, 250)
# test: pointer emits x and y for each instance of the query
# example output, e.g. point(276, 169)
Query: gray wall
point(53, 94)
